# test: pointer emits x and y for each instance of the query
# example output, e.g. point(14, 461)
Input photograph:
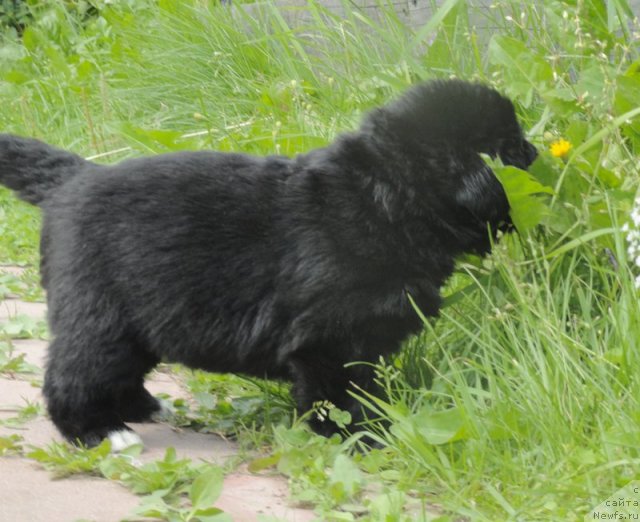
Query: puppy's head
point(517, 152)
point(480, 198)
point(468, 119)
point(480, 206)
point(440, 128)
point(478, 189)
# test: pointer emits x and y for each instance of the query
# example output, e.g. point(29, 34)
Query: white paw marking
point(165, 413)
point(123, 439)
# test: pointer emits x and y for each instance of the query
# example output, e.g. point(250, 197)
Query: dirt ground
point(29, 494)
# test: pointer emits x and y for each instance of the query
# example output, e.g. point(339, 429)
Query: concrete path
point(29, 494)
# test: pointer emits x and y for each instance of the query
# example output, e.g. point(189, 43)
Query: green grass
point(521, 401)
point(19, 230)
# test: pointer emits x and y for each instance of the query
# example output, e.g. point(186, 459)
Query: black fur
point(279, 267)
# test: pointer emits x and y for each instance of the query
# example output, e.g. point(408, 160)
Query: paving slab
point(15, 394)
point(38, 432)
point(29, 494)
point(207, 447)
point(246, 496)
point(34, 350)
point(11, 308)
point(13, 270)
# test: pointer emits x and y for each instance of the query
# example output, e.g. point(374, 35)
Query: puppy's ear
point(481, 194)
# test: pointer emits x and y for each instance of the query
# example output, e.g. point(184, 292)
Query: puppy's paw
point(166, 412)
point(123, 439)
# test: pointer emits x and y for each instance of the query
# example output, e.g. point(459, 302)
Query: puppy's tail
point(34, 169)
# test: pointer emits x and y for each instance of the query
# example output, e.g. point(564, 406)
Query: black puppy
point(276, 267)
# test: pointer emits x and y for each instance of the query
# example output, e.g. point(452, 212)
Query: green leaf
point(461, 293)
point(440, 427)
point(525, 71)
point(260, 464)
point(213, 515)
point(523, 190)
point(340, 417)
point(10, 444)
point(64, 460)
point(206, 489)
point(387, 506)
point(626, 99)
point(592, 82)
point(346, 473)
point(31, 38)
point(153, 505)
point(206, 400)
point(132, 451)
point(596, 139)
point(574, 243)
point(24, 327)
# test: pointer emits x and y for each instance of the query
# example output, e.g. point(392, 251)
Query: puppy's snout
point(531, 152)
point(521, 155)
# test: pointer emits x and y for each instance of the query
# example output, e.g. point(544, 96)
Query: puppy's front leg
point(320, 377)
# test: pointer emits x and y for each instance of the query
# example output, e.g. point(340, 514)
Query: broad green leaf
point(206, 489)
point(599, 136)
point(561, 101)
point(592, 83)
point(10, 444)
point(524, 70)
point(260, 464)
point(440, 427)
point(523, 190)
point(296, 437)
point(627, 98)
point(340, 417)
point(58, 60)
point(608, 177)
point(23, 327)
point(576, 132)
point(132, 451)
point(345, 472)
point(153, 505)
point(387, 506)
point(16, 76)
point(212, 515)
point(520, 183)
point(31, 38)
point(206, 399)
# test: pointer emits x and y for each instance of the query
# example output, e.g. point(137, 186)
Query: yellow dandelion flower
point(560, 148)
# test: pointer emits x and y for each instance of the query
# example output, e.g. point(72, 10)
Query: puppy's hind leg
point(134, 403)
point(85, 378)
point(138, 405)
